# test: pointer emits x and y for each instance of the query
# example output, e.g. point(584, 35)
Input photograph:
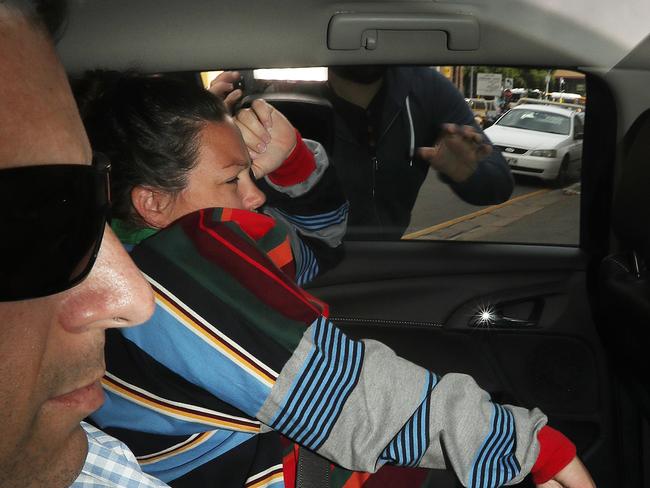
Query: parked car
point(564, 97)
point(485, 111)
point(517, 93)
point(540, 140)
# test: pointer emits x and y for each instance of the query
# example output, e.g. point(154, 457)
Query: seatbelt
point(313, 471)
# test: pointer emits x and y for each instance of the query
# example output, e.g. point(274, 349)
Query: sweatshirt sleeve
point(492, 182)
point(304, 194)
point(337, 396)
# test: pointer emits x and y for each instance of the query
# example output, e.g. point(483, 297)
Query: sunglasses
point(52, 220)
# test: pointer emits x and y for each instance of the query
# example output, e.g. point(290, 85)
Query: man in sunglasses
point(64, 277)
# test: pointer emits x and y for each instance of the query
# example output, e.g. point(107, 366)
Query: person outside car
point(392, 125)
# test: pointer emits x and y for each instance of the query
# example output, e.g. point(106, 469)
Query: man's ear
point(154, 206)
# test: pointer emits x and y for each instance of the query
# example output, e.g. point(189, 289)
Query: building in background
point(564, 80)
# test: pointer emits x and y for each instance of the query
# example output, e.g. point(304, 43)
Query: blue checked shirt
point(110, 463)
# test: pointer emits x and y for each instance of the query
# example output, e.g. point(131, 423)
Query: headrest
point(313, 116)
point(631, 208)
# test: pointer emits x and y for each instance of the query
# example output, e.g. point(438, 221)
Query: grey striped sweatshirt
point(360, 405)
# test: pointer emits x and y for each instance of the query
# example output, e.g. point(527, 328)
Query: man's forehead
point(39, 122)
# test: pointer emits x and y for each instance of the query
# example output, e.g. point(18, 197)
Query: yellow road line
point(478, 213)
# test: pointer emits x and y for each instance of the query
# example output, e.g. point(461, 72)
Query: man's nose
point(115, 293)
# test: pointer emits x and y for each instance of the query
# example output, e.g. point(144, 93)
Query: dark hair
point(50, 14)
point(149, 128)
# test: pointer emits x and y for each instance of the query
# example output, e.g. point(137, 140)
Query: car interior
point(568, 330)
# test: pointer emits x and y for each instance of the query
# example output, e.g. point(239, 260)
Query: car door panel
point(422, 299)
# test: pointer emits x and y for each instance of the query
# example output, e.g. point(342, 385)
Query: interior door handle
point(503, 321)
point(349, 31)
point(499, 315)
point(496, 319)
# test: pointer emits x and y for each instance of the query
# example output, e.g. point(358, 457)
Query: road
point(536, 213)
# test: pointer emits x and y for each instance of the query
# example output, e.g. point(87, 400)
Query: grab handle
point(350, 31)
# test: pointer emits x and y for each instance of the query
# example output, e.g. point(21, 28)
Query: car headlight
point(544, 153)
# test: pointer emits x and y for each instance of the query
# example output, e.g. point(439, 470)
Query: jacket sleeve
point(337, 396)
point(492, 181)
point(304, 193)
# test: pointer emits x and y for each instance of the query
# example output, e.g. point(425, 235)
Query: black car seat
point(624, 284)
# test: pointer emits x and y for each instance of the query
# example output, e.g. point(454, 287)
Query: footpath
point(543, 216)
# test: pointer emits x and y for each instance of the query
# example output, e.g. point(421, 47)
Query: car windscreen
point(536, 120)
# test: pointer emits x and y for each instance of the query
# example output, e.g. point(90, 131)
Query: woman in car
point(170, 159)
point(236, 352)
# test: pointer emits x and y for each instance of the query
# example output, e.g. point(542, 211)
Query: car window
point(384, 148)
point(578, 125)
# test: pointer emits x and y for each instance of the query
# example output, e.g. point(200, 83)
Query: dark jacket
point(374, 151)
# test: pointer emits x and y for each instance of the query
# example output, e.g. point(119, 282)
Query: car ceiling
point(167, 35)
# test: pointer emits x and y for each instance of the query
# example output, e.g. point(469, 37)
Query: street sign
point(488, 84)
point(508, 84)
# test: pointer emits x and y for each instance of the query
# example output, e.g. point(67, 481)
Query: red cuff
point(297, 167)
point(555, 452)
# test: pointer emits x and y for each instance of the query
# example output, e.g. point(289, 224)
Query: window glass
point(409, 175)
point(536, 120)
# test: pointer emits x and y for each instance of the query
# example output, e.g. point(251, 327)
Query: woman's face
point(221, 177)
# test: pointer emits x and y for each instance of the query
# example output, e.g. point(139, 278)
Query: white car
point(540, 140)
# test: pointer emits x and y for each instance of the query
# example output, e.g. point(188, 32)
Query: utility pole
point(471, 82)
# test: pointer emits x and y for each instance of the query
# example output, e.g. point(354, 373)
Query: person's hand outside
point(268, 134)
point(223, 87)
point(457, 152)
point(573, 475)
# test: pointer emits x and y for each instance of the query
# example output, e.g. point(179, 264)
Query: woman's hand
point(573, 475)
point(268, 134)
